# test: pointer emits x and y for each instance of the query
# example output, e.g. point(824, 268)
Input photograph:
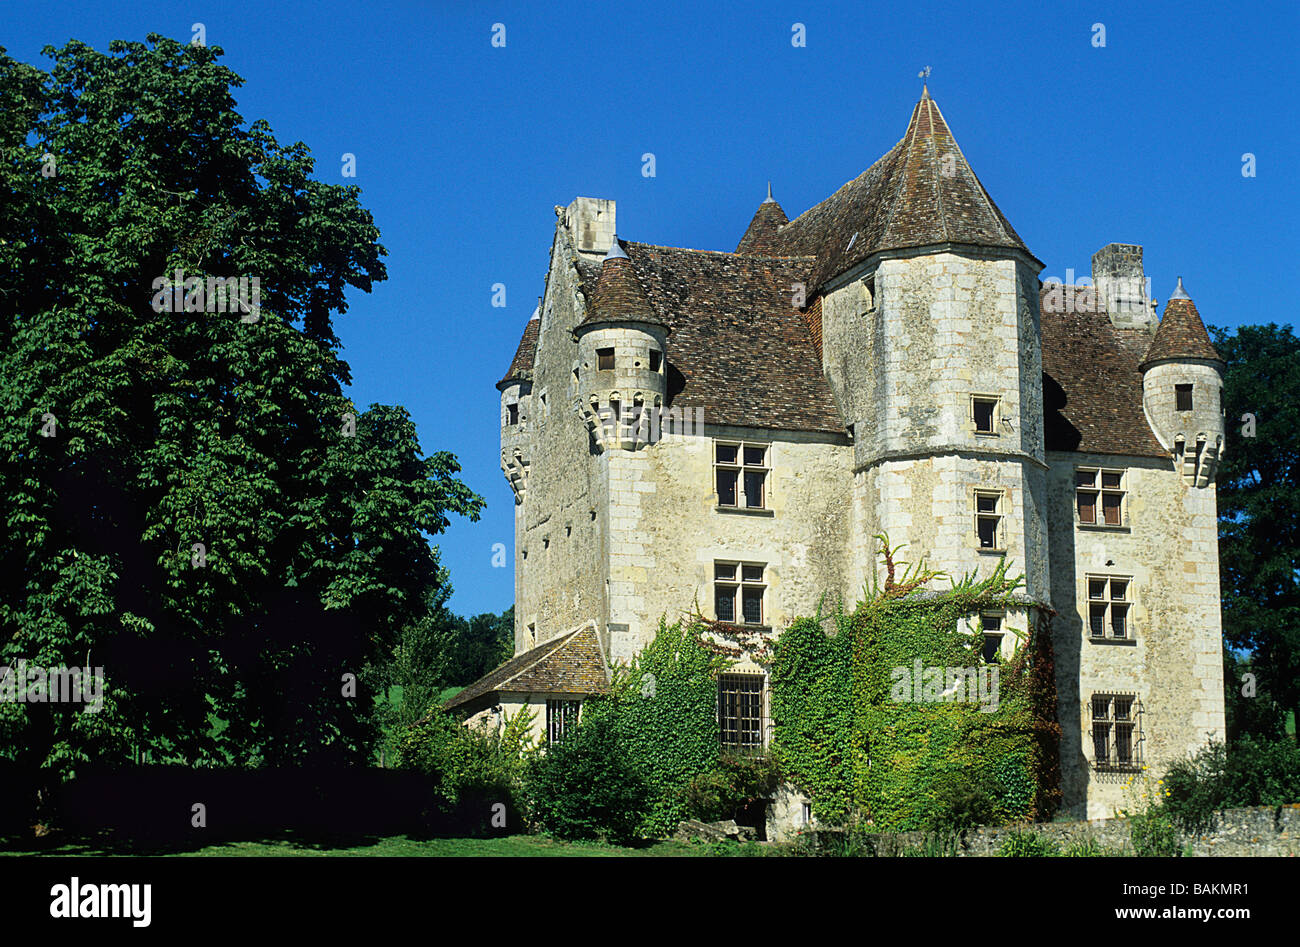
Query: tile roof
point(1092, 385)
point(739, 349)
point(921, 193)
point(760, 236)
point(521, 366)
point(743, 353)
point(1181, 334)
point(573, 663)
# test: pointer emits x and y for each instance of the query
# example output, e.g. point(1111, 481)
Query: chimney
point(1121, 284)
point(591, 224)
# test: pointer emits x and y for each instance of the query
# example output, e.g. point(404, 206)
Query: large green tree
point(1259, 520)
point(171, 429)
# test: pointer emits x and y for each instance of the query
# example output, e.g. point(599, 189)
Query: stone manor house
point(729, 430)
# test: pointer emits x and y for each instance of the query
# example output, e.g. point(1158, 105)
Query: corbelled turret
point(1182, 390)
point(621, 357)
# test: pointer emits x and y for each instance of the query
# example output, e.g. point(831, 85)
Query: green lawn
point(507, 847)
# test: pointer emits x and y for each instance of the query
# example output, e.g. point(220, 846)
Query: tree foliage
point(1259, 517)
point(182, 428)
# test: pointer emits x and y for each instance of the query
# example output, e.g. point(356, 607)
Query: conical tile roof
point(1181, 333)
point(762, 235)
point(921, 193)
point(618, 295)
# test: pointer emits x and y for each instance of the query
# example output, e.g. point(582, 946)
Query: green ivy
point(860, 754)
point(663, 708)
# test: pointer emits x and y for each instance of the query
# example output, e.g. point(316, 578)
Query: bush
point(586, 786)
point(737, 788)
point(473, 770)
point(1153, 833)
point(1252, 772)
point(1028, 845)
point(963, 803)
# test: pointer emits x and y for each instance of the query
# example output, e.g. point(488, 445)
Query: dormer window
point(605, 360)
point(1183, 395)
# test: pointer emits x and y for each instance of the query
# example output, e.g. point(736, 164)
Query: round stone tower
point(1182, 390)
point(621, 372)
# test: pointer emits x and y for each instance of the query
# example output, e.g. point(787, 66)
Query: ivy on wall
point(663, 710)
point(843, 735)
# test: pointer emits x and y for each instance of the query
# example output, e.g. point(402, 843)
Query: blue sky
point(463, 150)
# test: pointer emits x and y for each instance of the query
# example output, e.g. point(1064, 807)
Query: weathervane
point(924, 73)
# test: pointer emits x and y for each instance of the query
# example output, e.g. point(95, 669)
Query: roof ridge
point(889, 182)
point(934, 157)
point(746, 256)
point(993, 210)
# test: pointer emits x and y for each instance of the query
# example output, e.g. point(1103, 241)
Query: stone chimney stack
point(1122, 286)
point(591, 223)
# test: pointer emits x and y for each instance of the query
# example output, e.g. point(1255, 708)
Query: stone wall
point(561, 526)
point(1262, 831)
point(666, 530)
point(1171, 661)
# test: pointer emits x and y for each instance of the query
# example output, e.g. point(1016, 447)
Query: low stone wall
point(1259, 831)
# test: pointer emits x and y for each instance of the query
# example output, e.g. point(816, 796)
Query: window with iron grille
point(738, 589)
point(740, 711)
point(1099, 496)
point(1116, 733)
point(740, 472)
point(561, 719)
point(1108, 607)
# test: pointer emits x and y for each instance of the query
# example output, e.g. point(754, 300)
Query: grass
point(511, 846)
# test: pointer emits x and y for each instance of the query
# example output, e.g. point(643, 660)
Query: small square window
point(727, 453)
point(724, 570)
point(1183, 394)
point(604, 359)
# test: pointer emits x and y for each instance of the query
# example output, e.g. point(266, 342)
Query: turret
point(622, 367)
point(1182, 390)
point(516, 407)
point(764, 229)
